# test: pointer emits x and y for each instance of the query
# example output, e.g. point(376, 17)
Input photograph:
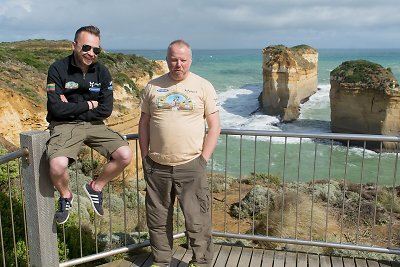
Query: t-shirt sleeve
point(211, 103)
point(144, 99)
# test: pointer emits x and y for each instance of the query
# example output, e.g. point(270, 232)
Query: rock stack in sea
point(365, 99)
point(290, 77)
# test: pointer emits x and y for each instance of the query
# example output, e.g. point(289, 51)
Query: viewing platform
point(236, 256)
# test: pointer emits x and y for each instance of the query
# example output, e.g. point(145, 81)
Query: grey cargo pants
point(188, 183)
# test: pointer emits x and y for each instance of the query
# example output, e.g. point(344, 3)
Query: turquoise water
point(237, 77)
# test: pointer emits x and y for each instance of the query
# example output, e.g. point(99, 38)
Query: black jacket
point(65, 78)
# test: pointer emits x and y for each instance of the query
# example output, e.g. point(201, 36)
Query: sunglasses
point(87, 48)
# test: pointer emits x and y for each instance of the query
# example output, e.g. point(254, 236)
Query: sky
point(208, 24)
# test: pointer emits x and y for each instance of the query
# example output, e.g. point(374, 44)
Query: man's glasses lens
point(87, 48)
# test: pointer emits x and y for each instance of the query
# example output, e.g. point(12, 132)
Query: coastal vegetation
point(280, 54)
point(364, 72)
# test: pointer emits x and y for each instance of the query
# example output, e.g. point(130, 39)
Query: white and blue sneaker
point(96, 198)
point(62, 214)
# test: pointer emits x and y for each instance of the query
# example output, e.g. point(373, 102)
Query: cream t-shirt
point(177, 122)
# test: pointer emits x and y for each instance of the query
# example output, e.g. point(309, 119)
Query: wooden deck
point(243, 256)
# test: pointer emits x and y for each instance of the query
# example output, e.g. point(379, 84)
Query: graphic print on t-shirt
point(175, 101)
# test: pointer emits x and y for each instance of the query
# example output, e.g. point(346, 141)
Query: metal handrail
point(22, 152)
point(336, 136)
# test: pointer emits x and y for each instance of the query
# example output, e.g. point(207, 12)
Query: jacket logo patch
point(94, 87)
point(110, 87)
point(51, 87)
point(71, 85)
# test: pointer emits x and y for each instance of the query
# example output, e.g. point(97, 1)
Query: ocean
point(237, 78)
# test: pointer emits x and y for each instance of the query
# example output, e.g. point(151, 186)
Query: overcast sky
point(208, 24)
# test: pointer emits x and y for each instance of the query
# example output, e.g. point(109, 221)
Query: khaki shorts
point(66, 139)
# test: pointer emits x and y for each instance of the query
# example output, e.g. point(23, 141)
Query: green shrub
point(9, 170)
point(73, 239)
point(263, 179)
point(362, 71)
point(124, 80)
point(17, 217)
point(220, 182)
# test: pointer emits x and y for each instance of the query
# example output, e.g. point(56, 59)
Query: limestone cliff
point(290, 77)
point(365, 99)
point(23, 72)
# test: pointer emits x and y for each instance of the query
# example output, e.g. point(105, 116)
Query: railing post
point(39, 197)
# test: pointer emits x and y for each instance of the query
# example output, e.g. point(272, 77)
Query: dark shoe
point(96, 197)
point(62, 214)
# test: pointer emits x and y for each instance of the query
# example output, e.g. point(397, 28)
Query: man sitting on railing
point(79, 98)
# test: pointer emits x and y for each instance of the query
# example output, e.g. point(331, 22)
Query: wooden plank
point(301, 259)
point(256, 257)
point(337, 261)
point(177, 256)
point(139, 260)
point(372, 263)
point(186, 258)
point(349, 262)
point(117, 263)
point(279, 259)
point(361, 262)
point(234, 257)
point(149, 261)
point(217, 249)
point(313, 260)
point(291, 259)
point(268, 258)
point(325, 261)
point(384, 263)
point(245, 257)
point(222, 258)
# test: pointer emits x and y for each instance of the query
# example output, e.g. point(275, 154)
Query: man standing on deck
point(175, 150)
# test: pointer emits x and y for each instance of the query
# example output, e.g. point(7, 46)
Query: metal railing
point(309, 190)
point(13, 237)
point(275, 189)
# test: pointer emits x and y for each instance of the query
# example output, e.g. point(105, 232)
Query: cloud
point(14, 9)
point(208, 23)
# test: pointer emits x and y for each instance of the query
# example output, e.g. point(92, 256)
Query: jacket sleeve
point(55, 88)
point(105, 98)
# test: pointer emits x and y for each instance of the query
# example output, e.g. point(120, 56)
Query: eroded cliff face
point(290, 77)
point(365, 99)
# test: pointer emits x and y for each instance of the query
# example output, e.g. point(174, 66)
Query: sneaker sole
point(88, 195)
point(60, 223)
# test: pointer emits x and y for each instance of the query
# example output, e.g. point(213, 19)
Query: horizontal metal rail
point(22, 152)
point(102, 255)
point(308, 243)
point(335, 136)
